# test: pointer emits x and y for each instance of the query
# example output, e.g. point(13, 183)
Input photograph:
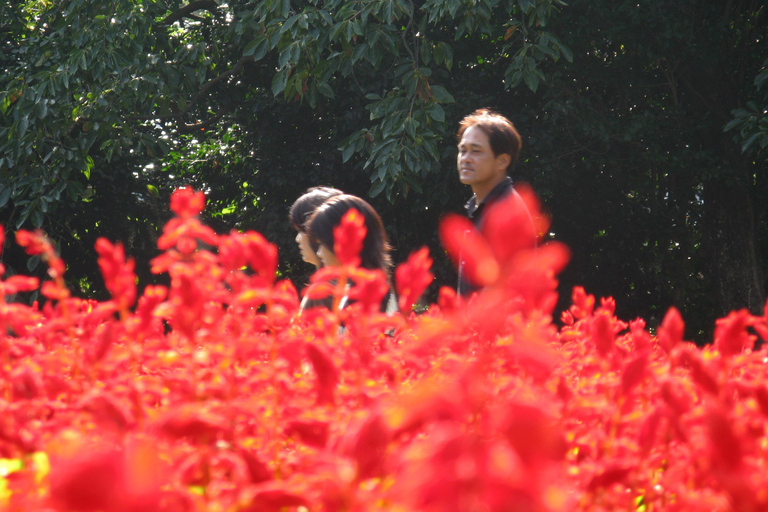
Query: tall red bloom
point(469, 247)
point(348, 238)
point(186, 203)
point(118, 272)
point(35, 243)
point(412, 278)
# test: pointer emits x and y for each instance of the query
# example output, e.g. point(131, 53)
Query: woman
point(301, 210)
point(375, 251)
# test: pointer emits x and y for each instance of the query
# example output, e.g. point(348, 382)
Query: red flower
point(731, 336)
point(117, 272)
point(468, 246)
point(368, 288)
point(348, 238)
point(412, 278)
point(35, 243)
point(186, 203)
point(671, 330)
point(327, 378)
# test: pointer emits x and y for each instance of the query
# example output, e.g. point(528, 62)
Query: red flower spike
point(195, 423)
point(369, 289)
point(109, 480)
point(35, 243)
point(186, 203)
point(466, 245)
point(583, 304)
point(54, 291)
point(691, 357)
point(312, 432)
point(602, 333)
point(533, 433)
point(88, 483)
point(16, 284)
point(412, 278)
point(634, 372)
point(118, 273)
point(671, 330)
point(348, 238)
point(725, 445)
point(448, 300)
point(153, 296)
point(327, 378)
point(639, 335)
point(509, 225)
point(731, 336)
point(262, 256)
point(366, 443)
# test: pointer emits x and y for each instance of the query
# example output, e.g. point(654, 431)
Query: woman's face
point(327, 257)
point(307, 254)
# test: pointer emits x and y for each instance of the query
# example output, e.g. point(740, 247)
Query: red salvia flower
point(118, 272)
point(412, 278)
point(731, 336)
point(35, 243)
point(368, 288)
point(348, 238)
point(468, 246)
point(514, 223)
point(327, 377)
point(186, 203)
point(671, 330)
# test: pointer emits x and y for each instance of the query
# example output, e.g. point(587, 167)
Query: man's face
point(478, 167)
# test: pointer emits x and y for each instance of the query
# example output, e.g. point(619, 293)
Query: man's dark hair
point(375, 252)
point(502, 135)
point(303, 208)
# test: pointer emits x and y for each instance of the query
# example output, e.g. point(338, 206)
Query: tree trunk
point(730, 247)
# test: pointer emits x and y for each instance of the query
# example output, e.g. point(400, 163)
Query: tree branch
point(186, 11)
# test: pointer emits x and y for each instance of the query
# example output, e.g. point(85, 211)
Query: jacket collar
point(474, 209)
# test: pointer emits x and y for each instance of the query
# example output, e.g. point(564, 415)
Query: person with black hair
point(489, 146)
point(375, 250)
point(300, 212)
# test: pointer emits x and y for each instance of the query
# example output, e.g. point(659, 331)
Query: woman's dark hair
point(303, 208)
point(375, 252)
point(501, 133)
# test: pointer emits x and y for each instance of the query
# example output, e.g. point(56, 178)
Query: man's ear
point(503, 160)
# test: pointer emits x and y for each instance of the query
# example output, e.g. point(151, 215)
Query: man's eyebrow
point(471, 144)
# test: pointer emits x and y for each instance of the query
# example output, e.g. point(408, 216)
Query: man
point(489, 146)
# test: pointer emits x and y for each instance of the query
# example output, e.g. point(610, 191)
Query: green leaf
point(441, 94)
point(347, 153)
point(5, 195)
point(733, 123)
point(436, 112)
point(376, 189)
point(280, 80)
point(41, 109)
point(326, 90)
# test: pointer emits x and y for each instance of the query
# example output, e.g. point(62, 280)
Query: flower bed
point(215, 394)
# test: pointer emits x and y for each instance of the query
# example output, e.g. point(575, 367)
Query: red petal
point(465, 245)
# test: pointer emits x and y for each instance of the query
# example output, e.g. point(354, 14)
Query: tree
point(661, 204)
point(107, 99)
